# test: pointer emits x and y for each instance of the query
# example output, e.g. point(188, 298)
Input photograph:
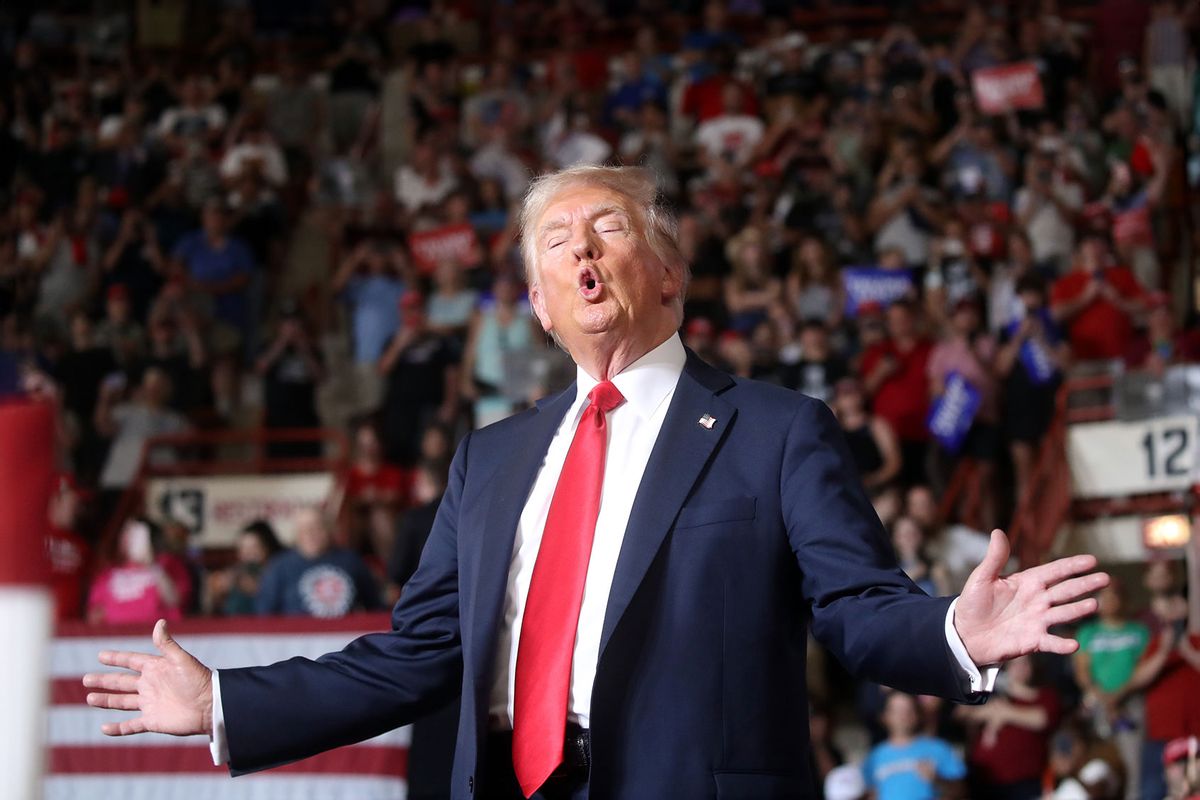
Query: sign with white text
point(1011, 87)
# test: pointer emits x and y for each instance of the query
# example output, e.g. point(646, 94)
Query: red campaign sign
point(457, 243)
point(1012, 87)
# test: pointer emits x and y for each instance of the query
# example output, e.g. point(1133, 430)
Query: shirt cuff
point(218, 745)
point(977, 681)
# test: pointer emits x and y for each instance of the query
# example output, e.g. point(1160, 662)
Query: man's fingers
point(162, 639)
point(1057, 645)
point(1070, 589)
point(111, 681)
point(118, 702)
point(997, 556)
point(1061, 569)
point(125, 659)
point(1060, 615)
point(125, 727)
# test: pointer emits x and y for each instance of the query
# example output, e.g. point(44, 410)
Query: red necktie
point(547, 639)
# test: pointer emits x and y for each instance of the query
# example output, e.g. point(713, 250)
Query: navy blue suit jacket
point(741, 537)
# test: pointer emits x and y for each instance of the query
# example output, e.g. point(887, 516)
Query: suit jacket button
point(471, 784)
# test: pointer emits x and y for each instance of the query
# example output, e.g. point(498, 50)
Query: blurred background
point(261, 257)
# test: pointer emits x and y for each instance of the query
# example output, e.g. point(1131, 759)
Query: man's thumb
point(162, 638)
point(997, 556)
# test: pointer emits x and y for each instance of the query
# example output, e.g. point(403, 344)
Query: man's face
point(900, 714)
point(595, 275)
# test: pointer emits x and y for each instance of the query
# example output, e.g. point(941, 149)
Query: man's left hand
point(1001, 618)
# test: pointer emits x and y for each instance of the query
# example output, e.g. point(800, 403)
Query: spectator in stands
point(420, 371)
point(219, 267)
point(195, 121)
point(429, 483)
point(1046, 208)
point(967, 351)
point(809, 364)
point(69, 555)
point(130, 423)
point(814, 291)
point(233, 591)
point(1097, 303)
point(134, 261)
point(376, 493)
point(315, 578)
point(1010, 736)
point(895, 376)
point(119, 331)
point(425, 180)
point(1109, 650)
point(1003, 301)
point(139, 587)
point(1169, 673)
point(371, 280)
point(845, 783)
point(908, 541)
point(907, 765)
point(1029, 363)
point(291, 368)
point(904, 212)
point(1082, 766)
point(501, 339)
point(752, 290)
point(1163, 344)
point(873, 446)
point(451, 303)
point(177, 347)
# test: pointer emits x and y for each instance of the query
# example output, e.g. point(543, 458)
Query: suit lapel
point(505, 498)
point(683, 449)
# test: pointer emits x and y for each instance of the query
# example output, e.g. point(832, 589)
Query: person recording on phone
point(619, 581)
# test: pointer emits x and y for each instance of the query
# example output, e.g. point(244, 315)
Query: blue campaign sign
point(953, 412)
point(874, 285)
point(1037, 362)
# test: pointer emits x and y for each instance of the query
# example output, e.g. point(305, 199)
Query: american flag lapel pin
point(707, 422)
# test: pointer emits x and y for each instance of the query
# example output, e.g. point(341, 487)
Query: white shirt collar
point(646, 382)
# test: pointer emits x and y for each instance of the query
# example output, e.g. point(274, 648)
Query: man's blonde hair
point(655, 222)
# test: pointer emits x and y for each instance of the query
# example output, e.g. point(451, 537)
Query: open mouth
point(589, 284)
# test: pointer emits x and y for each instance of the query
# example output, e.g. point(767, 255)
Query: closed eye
point(553, 243)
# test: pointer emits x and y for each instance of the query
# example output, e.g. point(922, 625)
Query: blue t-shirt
point(331, 585)
point(892, 771)
point(374, 313)
point(204, 263)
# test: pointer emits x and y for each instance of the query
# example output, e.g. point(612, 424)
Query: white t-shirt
point(732, 136)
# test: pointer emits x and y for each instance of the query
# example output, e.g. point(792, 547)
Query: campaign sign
point(952, 414)
point(1037, 361)
point(1010, 87)
point(457, 243)
point(874, 285)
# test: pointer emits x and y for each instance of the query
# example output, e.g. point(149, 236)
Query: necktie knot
point(605, 397)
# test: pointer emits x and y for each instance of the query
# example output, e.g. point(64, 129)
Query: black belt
point(577, 750)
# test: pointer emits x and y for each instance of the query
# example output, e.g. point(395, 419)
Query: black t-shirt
point(290, 392)
point(418, 378)
point(80, 373)
point(814, 378)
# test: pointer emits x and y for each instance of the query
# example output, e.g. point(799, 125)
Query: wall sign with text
point(1112, 459)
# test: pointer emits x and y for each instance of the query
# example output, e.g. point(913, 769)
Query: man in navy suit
point(668, 531)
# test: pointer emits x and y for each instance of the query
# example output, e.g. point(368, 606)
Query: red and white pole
point(26, 605)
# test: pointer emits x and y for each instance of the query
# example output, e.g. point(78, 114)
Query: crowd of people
point(310, 221)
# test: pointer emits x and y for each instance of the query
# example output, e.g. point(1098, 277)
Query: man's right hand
point(173, 691)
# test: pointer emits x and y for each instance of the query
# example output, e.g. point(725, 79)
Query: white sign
point(1114, 459)
point(215, 508)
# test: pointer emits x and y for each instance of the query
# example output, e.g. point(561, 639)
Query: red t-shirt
point(702, 99)
point(388, 484)
point(1019, 754)
point(902, 399)
point(69, 556)
point(1101, 330)
point(1173, 701)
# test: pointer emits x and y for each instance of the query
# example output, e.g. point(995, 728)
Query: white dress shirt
point(633, 427)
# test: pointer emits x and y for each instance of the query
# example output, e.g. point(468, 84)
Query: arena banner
point(84, 764)
point(1011, 87)
point(874, 285)
point(215, 508)
point(1111, 459)
point(457, 243)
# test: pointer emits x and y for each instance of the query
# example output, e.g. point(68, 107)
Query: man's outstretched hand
point(173, 690)
point(1000, 618)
